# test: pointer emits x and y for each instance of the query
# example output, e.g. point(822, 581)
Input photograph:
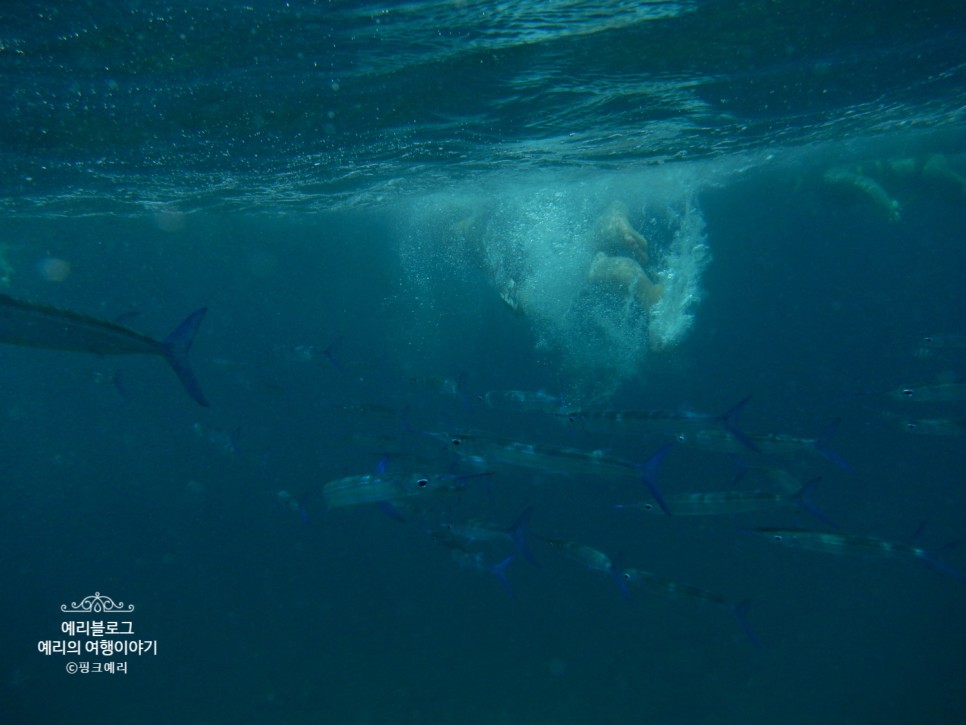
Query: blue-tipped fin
point(730, 423)
point(821, 446)
point(805, 499)
point(940, 564)
point(741, 613)
point(499, 570)
point(936, 560)
point(391, 511)
point(649, 476)
point(381, 465)
point(174, 349)
point(518, 535)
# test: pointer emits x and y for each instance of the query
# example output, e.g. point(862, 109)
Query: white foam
point(534, 241)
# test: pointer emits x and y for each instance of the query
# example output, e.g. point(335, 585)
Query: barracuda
point(951, 427)
point(939, 393)
point(718, 503)
point(524, 400)
point(675, 423)
point(714, 439)
point(853, 545)
point(33, 325)
point(586, 556)
point(542, 457)
point(381, 487)
point(688, 591)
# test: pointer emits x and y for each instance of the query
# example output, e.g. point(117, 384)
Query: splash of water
point(536, 244)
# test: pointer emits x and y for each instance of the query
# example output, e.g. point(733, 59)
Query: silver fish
point(717, 503)
point(687, 591)
point(840, 543)
point(474, 560)
point(34, 325)
point(586, 556)
point(950, 427)
point(669, 586)
point(781, 444)
point(850, 544)
point(462, 535)
point(929, 344)
point(676, 423)
point(592, 559)
point(937, 393)
point(380, 487)
point(524, 400)
point(466, 535)
point(491, 450)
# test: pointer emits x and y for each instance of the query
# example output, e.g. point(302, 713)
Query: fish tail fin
point(382, 464)
point(175, 349)
point(805, 498)
point(821, 446)
point(940, 564)
point(391, 511)
point(743, 467)
point(499, 570)
point(730, 423)
point(741, 613)
point(649, 476)
point(518, 534)
point(935, 559)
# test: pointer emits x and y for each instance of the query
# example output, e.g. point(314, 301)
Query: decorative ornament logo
point(96, 603)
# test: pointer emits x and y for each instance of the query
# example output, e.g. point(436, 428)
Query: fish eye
point(422, 482)
point(778, 537)
point(908, 392)
point(911, 425)
point(927, 339)
point(648, 507)
point(456, 442)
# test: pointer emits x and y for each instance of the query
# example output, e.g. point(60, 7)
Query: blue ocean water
point(392, 210)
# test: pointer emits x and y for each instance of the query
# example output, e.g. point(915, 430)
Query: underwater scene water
point(472, 362)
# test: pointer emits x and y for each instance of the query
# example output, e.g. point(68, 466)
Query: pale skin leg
point(860, 186)
point(614, 229)
point(625, 274)
point(876, 181)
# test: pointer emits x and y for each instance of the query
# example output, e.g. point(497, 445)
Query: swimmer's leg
point(863, 187)
point(627, 275)
point(615, 230)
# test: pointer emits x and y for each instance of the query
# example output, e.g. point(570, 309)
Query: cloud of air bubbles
point(535, 244)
